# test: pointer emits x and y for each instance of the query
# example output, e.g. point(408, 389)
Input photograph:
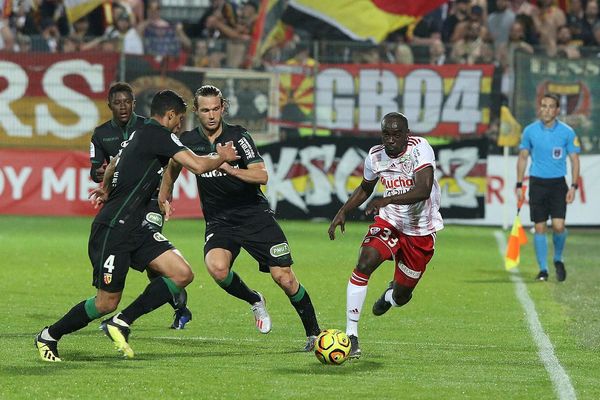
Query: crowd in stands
point(460, 31)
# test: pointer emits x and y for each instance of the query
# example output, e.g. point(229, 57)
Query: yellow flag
point(510, 129)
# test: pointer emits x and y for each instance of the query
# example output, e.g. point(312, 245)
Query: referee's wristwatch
point(574, 186)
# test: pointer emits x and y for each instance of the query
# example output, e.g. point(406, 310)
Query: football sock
point(389, 298)
point(236, 287)
point(74, 320)
point(153, 275)
point(356, 293)
point(303, 305)
point(559, 240)
point(541, 250)
point(157, 293)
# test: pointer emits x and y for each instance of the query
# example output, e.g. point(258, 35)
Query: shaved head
point(394, 121)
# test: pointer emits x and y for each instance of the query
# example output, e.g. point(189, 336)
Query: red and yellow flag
point(364, 19)
point(516, 239)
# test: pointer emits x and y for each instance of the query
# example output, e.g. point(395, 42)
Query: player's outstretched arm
point(255, 174)
point(201, 164)
point(360, 194)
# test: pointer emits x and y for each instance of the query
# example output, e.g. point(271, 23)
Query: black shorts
point(547, 198)
point(112, 251)
point(260, 236)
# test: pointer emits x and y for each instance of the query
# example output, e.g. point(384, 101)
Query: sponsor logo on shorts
point(159, 237)
point(374, 230)
point(409, 272)
point(107, 278)
point(367, 240)
point(280, 249)
point(154, 218)
point(208, 238)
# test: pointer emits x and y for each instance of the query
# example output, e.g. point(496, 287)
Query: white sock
point(355, 298)
point(46, 335)
point(119, 321)
point(389, 298)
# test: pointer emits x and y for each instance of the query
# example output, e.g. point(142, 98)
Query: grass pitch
point(464, 335)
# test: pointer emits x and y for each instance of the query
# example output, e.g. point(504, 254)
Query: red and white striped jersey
point(397, 175)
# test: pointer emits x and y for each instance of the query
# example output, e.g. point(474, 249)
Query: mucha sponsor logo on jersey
point(280, 249)
point(247, 148)
point(395, 183)
point(154, 218)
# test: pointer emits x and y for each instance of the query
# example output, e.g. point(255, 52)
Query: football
point(332, 347)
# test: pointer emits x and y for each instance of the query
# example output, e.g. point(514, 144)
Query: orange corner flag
point(515, 240)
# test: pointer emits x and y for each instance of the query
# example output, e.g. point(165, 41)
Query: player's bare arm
point(421, 191)
point(256, 173)
point(360, 194)
point(99, 195)
point(201, 164)
point(575, 165)
point(165, 193)
point(521, 165)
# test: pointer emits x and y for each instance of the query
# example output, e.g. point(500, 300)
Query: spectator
point(7, 39)
point(160, 38)
point(81, 29)
point(427, 31)
point(469, 49)
point(70, 44)
point(437, 53)
point(575, 19)
point(129, 41)
point(564, 46)
point(223, 10)
point(47, 42)
point(523, 7)
point(547, 20)
point(459, 13)
point(22, 43)
point(506, 53)
point(589, 20)
point(500, 22)
point(200, 57)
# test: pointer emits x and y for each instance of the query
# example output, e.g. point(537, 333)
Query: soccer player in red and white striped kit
point(406, 221)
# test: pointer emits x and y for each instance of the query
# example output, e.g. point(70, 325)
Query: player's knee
point(284, 277)
point(218, 271)
point(106, 305)
point(366, 267)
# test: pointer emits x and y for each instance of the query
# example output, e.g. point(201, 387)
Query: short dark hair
point(394, 117)
point(120, 87)
point(165, 101)
point(554, 97)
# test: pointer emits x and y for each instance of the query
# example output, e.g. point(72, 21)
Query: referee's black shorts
point(547, 198)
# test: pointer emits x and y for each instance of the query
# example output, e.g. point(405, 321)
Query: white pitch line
point(395, 343)
point(560, 380)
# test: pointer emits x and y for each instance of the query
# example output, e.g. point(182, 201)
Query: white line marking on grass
point(382, 342)
point(560, 380)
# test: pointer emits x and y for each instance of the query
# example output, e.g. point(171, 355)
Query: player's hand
point(226, 168)
point(100, 173)
point(570, 195)
point(166, 209)
point(98, 197)
point(227, 151)
point(375, 204)
point(339, 219)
